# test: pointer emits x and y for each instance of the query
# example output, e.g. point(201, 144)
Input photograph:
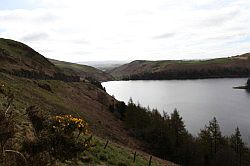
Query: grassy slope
point(141, 66)
point(79, 99)
point(16, 55)
point(116, 155)
point(82, 70)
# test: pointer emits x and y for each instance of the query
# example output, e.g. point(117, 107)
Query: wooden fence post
point(134, 157)
point(106, 144)
point(149, 164)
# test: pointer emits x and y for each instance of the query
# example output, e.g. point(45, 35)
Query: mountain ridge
point(236, 66)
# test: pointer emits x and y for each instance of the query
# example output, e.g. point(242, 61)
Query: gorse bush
point(69, 124)
point(59, 137)
point(55, 138)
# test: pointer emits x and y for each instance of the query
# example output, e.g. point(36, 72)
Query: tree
point(237, 145)
point(215, 133)
point(210, 138)
point(177, 126)
point(179, 136)
point(120, 107)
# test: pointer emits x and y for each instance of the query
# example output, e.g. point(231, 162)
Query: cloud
point(139, 12)
point(35, 37)
point(131, 29)
point(219, 18)
point(165, 36)
point(80, 41)
point(46, 17)
point(82, 52)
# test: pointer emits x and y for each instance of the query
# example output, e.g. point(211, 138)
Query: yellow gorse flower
point(68, 122)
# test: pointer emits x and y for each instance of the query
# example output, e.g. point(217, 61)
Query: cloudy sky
point(91, 30)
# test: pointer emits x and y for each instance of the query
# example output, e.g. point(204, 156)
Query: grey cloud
point(26, 15)
point(81, 52)
point(45, 50)
point(226, 37)
point(219, 20)
point(46, 17)
point(165, 36)
point(35, 37)
point(80, 41)
point(139, 12)
point(237, 28)
point(11, 17)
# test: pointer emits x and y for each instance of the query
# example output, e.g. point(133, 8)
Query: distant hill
point(104, 65)
point(82, 70)
point(236, 66)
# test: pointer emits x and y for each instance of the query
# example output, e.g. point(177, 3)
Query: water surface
point(198, 101)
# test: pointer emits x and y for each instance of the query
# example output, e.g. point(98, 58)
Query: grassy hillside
point(79, 99)
point(82, 70)
point(82, 100)
point(18, 56)
point(59, 97)
point(21, 60)
point(115, 154)
point(237, 66)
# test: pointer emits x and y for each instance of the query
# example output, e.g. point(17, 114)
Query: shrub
point(8, 153)
point(58, 136)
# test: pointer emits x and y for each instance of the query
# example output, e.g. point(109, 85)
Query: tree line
point(166, 136)
point(41, 75)
point(189, 73)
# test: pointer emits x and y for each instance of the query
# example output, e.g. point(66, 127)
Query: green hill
point(21, 60)
point(18, 56)
point(236, 66)
point(83, 71)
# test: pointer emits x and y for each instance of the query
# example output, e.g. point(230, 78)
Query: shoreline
point(242, 87)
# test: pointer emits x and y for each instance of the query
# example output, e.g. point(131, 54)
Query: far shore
point(242, 87)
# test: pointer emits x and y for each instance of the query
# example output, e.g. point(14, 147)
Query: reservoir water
point(197, 101)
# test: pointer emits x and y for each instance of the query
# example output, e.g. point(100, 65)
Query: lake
point(197, 101)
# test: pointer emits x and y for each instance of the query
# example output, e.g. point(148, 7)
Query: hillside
point(81, 100)
point(40, 87)
point(78, 98)
point(82, 70)
point(21, 60)
point(18, 56)
point(236, 66)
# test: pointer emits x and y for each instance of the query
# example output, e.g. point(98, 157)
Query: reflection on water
point(198, 101)
point(248, 91)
